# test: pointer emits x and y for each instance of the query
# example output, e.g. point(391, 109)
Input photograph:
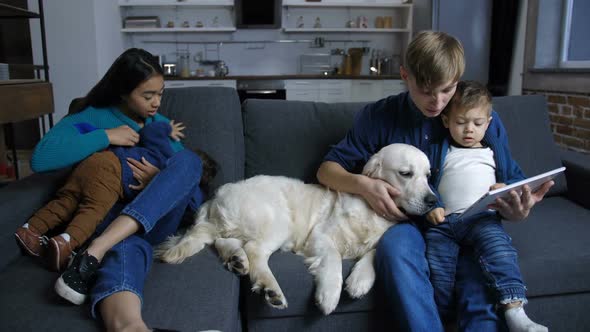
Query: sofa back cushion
point(526, 119)
point(290, 138)
point(213, 120)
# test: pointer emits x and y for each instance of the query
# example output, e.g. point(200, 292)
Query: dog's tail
point(178, 247)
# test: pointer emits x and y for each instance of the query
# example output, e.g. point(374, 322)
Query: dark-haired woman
point(113, 267)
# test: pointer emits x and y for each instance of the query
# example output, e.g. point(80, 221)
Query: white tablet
point(488, 198)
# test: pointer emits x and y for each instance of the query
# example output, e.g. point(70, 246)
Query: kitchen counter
point(287, 77)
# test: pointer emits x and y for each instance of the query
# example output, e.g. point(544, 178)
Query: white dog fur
point(249, 220)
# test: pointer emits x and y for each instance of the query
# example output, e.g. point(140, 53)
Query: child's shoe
point(74, 284)
point(29, 241)
point(518, 321)
point(58, 253)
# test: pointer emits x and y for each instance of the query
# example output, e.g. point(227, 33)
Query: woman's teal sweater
point(68, 142)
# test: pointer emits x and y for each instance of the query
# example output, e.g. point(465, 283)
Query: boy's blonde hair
point(469, 95)
point(434, 58)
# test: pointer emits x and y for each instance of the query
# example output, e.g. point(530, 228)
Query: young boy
point(474, 161)
point(94, 186)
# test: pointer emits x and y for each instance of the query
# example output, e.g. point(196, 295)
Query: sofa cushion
point(213, 120)
point(18, 201)
point(527, 122)
point(182, 297)
point(290, 138)
point(552, 247)
point(298, 286)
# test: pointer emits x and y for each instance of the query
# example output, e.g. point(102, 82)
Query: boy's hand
point(436, 216)
point(177, 129)
point(497, 186)
point(143, 172)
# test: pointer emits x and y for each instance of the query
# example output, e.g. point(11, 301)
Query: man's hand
point(436, 216)
point(380, 194)
point(143, 172)
point(177, 129)
point(122, 136)
point(518, 207)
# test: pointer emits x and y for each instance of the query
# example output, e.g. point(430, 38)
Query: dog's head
point(407, 169)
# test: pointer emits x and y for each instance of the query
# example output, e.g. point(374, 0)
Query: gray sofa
point(289, 138)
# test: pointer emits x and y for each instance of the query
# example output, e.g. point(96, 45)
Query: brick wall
point(570, 118)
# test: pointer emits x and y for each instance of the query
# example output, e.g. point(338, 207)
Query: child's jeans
point(492, 246)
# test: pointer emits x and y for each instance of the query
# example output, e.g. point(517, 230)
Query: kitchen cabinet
point(379, 17)
point(174, 84)
point(366, 90)
point(393, 87)
point(334, 91)
point(339, 91)
point(199, 15)
point(302, 90)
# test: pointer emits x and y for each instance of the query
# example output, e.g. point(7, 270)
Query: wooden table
point(22, 100)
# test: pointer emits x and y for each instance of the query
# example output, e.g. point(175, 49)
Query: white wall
point(81, 41)
point(517, 67)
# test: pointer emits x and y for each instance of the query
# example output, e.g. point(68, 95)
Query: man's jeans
point(403, 276)
point(492, 246)
point(159, 208)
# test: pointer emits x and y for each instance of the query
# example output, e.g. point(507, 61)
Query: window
point(575, 49)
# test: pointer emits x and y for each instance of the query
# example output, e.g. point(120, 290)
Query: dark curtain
point(503, 34)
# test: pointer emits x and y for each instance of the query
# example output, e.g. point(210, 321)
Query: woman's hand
point(517, 207)
point(380, 194)
point(122, 136)
point(143, 172)
point(177, 129)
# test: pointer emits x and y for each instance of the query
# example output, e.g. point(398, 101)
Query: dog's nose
point(430, 200)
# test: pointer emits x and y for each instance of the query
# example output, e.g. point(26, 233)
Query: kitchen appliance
point(169, 69)
point(261, 89)
point(315, 64)
point(142, 22)
point(258, 14)
point(221, 69)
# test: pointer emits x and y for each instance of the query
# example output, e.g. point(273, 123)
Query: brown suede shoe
point(58, 253)
point(29, 241)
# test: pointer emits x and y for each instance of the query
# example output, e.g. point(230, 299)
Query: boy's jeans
point(159, 208)
point(492, 246)
point(403, 277)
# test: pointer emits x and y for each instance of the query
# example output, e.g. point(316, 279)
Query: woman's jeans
point(492, 246)
point(403, 276)
point(159, 209)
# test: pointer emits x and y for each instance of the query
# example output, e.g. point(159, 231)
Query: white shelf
point(358, 30)
point(345, 4)
point(170, 3)
point(165, 30)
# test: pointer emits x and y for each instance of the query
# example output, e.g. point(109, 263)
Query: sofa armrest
point(18, 201)
point(577, 175)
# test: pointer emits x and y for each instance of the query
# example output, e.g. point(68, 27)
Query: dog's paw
point(238, 262)
point(275, 299)
point(327, 300)
point(358, 287)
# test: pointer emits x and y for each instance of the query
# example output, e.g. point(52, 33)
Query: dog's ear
point(373, 167)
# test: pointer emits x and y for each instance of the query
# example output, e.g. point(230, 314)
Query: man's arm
point(378, 193)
